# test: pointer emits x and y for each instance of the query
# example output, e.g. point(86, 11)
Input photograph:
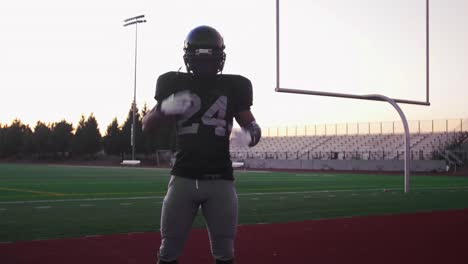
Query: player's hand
point(240, 138)
point(176, 103)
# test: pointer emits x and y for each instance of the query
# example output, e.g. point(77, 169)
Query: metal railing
point(335, 155)
point(448, 140)
point(369, 128)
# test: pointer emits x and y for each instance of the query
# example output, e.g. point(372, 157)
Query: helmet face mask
point(204, 51)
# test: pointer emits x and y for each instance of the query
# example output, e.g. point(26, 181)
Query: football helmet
point(204, 51)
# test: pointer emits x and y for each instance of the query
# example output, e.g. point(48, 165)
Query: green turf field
point(42, 202)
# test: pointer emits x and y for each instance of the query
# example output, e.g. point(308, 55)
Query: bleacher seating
point(371, 146)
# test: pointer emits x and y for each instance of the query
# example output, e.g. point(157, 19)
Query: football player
point(202, 104)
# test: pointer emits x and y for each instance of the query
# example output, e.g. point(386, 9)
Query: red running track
point(435, 237)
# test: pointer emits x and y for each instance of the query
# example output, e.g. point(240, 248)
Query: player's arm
point(169, 105)
point(167, 111)
point(243, 97)
point(155, 118)
point(244, 118)
point(246, 121)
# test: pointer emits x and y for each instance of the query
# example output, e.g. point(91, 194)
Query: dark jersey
point(203, 130)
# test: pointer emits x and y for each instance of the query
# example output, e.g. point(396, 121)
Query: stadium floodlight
point(134, 18)
point(128, 22)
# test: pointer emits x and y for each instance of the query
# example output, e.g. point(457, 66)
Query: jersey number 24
point(214, 116)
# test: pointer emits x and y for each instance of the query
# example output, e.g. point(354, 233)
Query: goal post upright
point(407, 135)
point(374, 97)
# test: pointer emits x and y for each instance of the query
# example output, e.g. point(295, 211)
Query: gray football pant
point(218, 202)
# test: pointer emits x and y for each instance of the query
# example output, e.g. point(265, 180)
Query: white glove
point(177, 103)
point(240, 138)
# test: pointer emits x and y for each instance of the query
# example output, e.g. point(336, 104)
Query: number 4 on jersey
point(215, 115)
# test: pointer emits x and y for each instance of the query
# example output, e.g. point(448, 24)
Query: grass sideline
point(43, 202)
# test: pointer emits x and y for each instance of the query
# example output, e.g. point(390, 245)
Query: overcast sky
point(62, 59)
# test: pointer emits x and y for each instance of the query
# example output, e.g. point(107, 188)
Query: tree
point(112, 140)
point(127, 132)
point(87, 138)
point(42, 140)
point(78, 142)
point(14, 138)
point(62, 137)
point(28, 147)
point(148, 139)
point(92, 135)
point(2, 140)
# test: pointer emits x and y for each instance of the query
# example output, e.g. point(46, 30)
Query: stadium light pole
point(128, 22)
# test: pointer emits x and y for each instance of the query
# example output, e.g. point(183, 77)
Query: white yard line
point(240, 194)
point(84, 200)
point(43, 207)
point(91, 236)
point(317, 175)
point(106, 167)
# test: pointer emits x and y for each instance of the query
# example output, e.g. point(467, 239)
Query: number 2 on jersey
point(214, 116)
